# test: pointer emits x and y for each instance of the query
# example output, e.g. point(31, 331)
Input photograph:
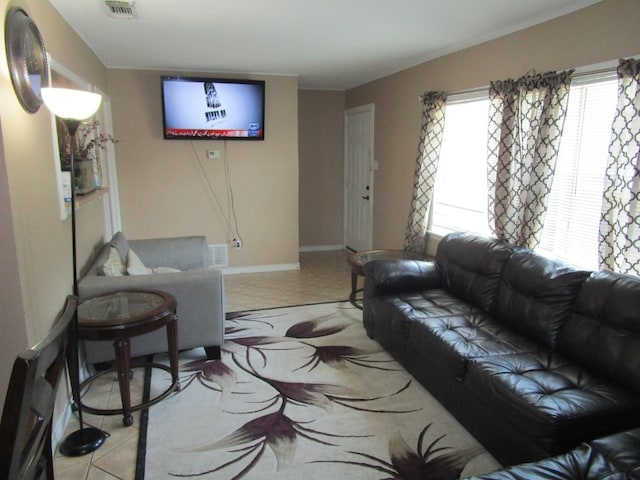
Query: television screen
point(209, 109)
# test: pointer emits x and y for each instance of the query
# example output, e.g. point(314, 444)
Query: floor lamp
point(71, 107)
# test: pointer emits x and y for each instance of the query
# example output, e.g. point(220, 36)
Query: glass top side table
point(119, 316)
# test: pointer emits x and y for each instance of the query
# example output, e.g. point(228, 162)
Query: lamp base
point(83, 441)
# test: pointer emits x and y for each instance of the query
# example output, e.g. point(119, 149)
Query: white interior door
point(358, 173)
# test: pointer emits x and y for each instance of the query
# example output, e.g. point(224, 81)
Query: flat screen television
point(212, 108)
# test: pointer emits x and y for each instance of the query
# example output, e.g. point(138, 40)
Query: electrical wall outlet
point(236, 243)
point(213, 154)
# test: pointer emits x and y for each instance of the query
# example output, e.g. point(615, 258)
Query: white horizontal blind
point(460, 195)
point(571, 225)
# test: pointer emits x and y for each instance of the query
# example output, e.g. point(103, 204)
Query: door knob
point(366, 197)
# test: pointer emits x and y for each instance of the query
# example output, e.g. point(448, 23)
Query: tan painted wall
point(36, 274)
point(602, 32)
point(321, 130)
point(14, 334)
point(163, 191)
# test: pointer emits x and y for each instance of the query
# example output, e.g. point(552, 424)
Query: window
point(573, 216)
point(460, 195)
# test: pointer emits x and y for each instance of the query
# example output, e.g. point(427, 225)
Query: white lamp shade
point(69, 103)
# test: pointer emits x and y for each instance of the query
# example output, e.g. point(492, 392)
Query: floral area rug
point(302, 393)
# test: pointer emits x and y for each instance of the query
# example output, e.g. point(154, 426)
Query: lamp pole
point(71, 107)
point(72, 128)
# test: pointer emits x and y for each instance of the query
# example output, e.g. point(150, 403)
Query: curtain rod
point(463, 92)
point(588, 73)
point(585, 73)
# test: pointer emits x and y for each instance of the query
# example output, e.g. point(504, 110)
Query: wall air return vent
point(121, 9)
point(218, 255)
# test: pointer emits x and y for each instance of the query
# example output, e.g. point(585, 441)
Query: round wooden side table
point(118, 316)
point(357, 260)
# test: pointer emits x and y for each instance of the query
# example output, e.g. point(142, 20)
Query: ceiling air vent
point(121, 9)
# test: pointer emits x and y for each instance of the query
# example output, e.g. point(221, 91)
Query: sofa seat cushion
point(447, 330)
point(428, 303)
point(431, 303)
point(455, 339)
point(550, 399)
point(391, 315)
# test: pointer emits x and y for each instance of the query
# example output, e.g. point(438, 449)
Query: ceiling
point(327, 44)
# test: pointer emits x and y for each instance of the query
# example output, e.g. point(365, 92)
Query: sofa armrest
point(384, 277)
point(97, 284)
point(183, 253)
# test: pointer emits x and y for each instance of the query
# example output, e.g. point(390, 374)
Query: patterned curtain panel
point(526, 118)
point(426, 168)
point(620, 221)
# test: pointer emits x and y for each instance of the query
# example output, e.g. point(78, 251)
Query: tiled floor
point(323, 276)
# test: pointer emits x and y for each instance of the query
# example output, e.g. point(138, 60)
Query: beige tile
point(121, 460)
point(96, 473)
point(323, 277)
point(71, 468)
point(118, 435)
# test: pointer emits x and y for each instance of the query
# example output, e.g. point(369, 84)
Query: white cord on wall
point(233, 230)
point(230, 197)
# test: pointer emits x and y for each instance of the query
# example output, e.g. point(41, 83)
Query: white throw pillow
point(113, 266)
point(135, 265)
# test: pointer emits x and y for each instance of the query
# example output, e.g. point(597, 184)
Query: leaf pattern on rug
point(339, 356)
point(275, 431)
point(336, 356)
point(314, 328)
point(409, 464)
point(280, 401)
point(212, 374)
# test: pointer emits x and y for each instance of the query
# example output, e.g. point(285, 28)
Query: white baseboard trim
point(261, 268)
point(321, 248)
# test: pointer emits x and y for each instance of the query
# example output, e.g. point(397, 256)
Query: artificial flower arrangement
point(89, 141)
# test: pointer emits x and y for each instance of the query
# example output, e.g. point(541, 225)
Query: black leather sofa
point(531, 355)
point(614, 457)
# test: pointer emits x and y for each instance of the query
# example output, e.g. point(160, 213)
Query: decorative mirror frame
point(27, 58)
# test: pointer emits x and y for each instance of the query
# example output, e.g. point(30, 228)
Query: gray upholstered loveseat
point(176, 265)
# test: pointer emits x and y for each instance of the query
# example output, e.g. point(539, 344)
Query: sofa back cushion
point(536, 295)
point(471, 266)
point(603, 330)
point(120, 243)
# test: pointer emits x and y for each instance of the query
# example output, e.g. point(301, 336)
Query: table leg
point(354, 286)
point(172, 341)
point(123, 359)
